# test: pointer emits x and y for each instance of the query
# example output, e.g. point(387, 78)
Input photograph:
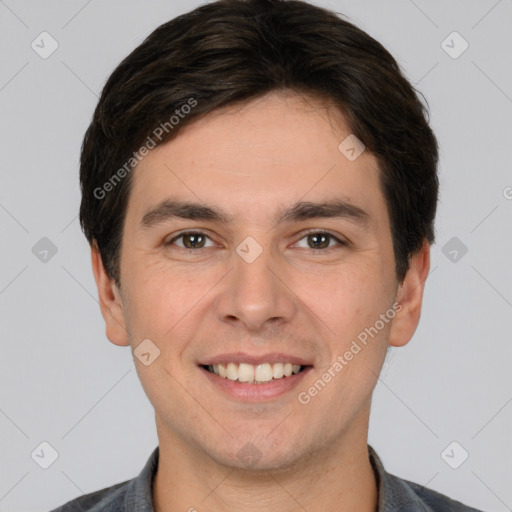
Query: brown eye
point(190, 240)
point(319, 240)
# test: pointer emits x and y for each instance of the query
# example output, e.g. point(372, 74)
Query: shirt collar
point(394, 493)
point(139, 495)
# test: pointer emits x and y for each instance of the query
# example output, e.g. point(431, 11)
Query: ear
point(111, 303)
point(409, 296)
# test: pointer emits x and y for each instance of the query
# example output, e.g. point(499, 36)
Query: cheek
point(348, 298)
point(151, 301)
point(163, 300)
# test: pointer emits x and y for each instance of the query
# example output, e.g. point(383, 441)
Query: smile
point(254, 374)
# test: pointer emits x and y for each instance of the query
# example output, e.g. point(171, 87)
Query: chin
point(258, 454)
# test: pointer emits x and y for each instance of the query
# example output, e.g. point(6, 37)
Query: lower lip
point(255, 392)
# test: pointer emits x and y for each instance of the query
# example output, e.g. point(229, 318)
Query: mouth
point(253, 377)
point(263, 373)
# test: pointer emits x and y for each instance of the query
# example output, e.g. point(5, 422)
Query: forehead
point(271, 152)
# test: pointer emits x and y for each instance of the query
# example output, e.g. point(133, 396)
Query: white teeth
point(278, 370)
point(264, 372)
point(245, 372)
point(232, 371)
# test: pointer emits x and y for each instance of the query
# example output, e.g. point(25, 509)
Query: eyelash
point(305, 235)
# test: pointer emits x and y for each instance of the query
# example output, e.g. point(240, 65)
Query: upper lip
point(242, 357)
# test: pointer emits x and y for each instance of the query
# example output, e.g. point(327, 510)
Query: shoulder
point(430, 500)
point(109, 499)
point(399, 495)
point(133, 495)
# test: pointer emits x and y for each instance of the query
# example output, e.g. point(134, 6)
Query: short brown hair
point(233, 51)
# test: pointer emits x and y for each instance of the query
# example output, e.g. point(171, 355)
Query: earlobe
point(410, 296)
point(111, 303)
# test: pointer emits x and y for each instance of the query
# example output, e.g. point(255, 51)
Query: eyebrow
point(302, 210)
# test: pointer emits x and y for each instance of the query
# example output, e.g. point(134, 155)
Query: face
point(252, 242)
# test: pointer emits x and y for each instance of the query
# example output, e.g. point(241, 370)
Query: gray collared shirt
point(395, 494)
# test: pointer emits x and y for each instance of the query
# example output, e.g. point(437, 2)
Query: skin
point(252, 162)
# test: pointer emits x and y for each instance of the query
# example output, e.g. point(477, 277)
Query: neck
point(340, 479)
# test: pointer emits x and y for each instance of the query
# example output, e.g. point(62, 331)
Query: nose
point(255, 294)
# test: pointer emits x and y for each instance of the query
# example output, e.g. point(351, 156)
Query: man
point(259, 189)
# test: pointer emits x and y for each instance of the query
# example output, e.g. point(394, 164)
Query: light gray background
point(63, 382)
